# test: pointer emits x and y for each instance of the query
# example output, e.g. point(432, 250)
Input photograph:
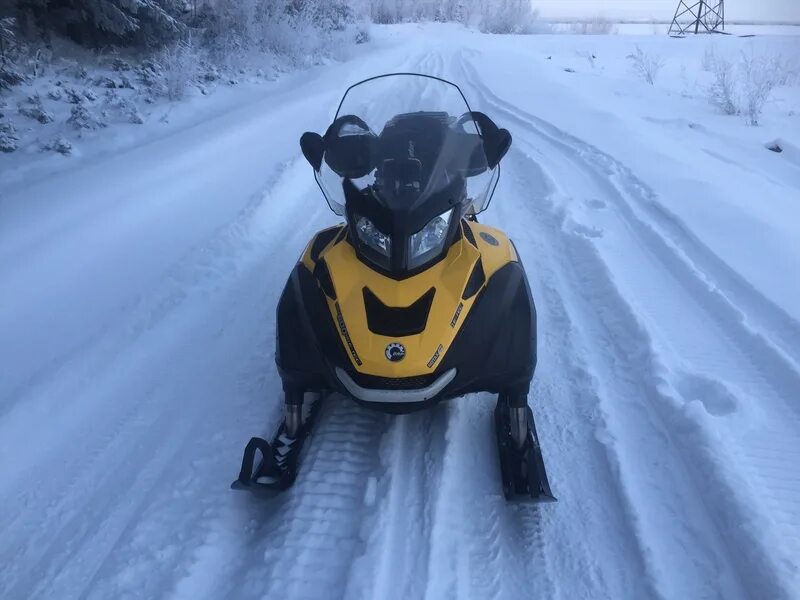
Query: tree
point(96, 23)
point(9, 72)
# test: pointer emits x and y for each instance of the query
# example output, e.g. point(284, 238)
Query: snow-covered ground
point(138, 288)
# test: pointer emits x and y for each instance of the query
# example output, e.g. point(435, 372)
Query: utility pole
point(710, 14)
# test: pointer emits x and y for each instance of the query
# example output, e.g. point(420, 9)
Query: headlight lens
point(428, 242)
point(373, 237)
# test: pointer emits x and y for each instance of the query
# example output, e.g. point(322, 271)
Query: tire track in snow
point(394, 564)
point(313, 531)
point(133, 543)
point(115, 481)
point(761, 565)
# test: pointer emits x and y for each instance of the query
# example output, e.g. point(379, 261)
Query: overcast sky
point(735, 10)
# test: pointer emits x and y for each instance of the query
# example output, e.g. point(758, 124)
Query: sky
point(735, 10)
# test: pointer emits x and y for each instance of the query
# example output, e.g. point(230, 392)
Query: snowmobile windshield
point(406, 140)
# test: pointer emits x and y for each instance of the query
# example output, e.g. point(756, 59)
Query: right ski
point(522, 468)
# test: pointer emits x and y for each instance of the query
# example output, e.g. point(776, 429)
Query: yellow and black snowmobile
point(411, 301)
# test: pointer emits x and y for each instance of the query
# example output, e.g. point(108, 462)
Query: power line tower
point(704, 16)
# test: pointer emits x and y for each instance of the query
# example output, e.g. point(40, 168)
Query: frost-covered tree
point(493, 16)
point(8, 137)
point(9, 71)
point(97, 23)
point(508, 16)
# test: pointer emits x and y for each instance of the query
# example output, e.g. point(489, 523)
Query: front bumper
point(395, 396)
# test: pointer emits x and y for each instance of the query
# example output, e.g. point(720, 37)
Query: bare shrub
point(785, 70)
point(179, 67)
point(512, 16)
point(589, 56)
point(709, 60)
point(645, 65)
point(745, 87)
point(723, 93)
point(759, 77)
point(597, 25)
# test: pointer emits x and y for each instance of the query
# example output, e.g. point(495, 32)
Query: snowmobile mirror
point(477, 158)
point(313, 147)
point(496, 141)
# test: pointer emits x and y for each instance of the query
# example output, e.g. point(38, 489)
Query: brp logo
point(395, 352)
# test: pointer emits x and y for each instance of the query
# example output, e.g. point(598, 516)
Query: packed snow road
point(137, 319)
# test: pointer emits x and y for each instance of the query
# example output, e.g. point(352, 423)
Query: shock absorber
point(516, 407)
point(293, 411)
point(519, 424)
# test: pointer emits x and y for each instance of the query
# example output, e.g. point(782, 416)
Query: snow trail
point(740, 356)
point(666, 393)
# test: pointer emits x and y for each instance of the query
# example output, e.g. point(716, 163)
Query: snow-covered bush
point(150, 73)
point(8, 137)
point(133, 114)
point(81, 117)
point(74, 96)
point(362, 36)
point(597, 25)
point(33, 108)
point(645, 65)
point(60, 144)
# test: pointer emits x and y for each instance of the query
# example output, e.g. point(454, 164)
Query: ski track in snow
point(132, 500)
point(756, 365)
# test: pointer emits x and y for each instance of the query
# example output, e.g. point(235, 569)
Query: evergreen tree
point(9, 72)
point(96, 23)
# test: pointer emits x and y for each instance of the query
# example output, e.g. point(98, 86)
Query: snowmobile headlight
point(428, 242)
point(373, 237)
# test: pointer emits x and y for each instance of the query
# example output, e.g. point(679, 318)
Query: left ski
point(280, 459)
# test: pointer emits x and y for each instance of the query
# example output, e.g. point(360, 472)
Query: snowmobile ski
point(521, 467)
point(280, 459)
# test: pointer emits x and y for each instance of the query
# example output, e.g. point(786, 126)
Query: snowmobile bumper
point(522, 468)
point(395, 396)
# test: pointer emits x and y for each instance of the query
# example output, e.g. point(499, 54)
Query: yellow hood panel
point(449, 277)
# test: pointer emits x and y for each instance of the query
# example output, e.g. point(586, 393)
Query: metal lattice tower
point(704, 16)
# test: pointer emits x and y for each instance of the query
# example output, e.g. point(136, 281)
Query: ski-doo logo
point(395, 352)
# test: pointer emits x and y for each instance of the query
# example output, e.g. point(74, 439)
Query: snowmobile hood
point(399, 329)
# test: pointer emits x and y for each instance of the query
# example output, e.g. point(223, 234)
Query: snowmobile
point(410, 301)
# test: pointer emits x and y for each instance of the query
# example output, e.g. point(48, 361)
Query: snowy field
point(138, 282)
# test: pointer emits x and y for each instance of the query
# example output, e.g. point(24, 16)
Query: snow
point(139, 281)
